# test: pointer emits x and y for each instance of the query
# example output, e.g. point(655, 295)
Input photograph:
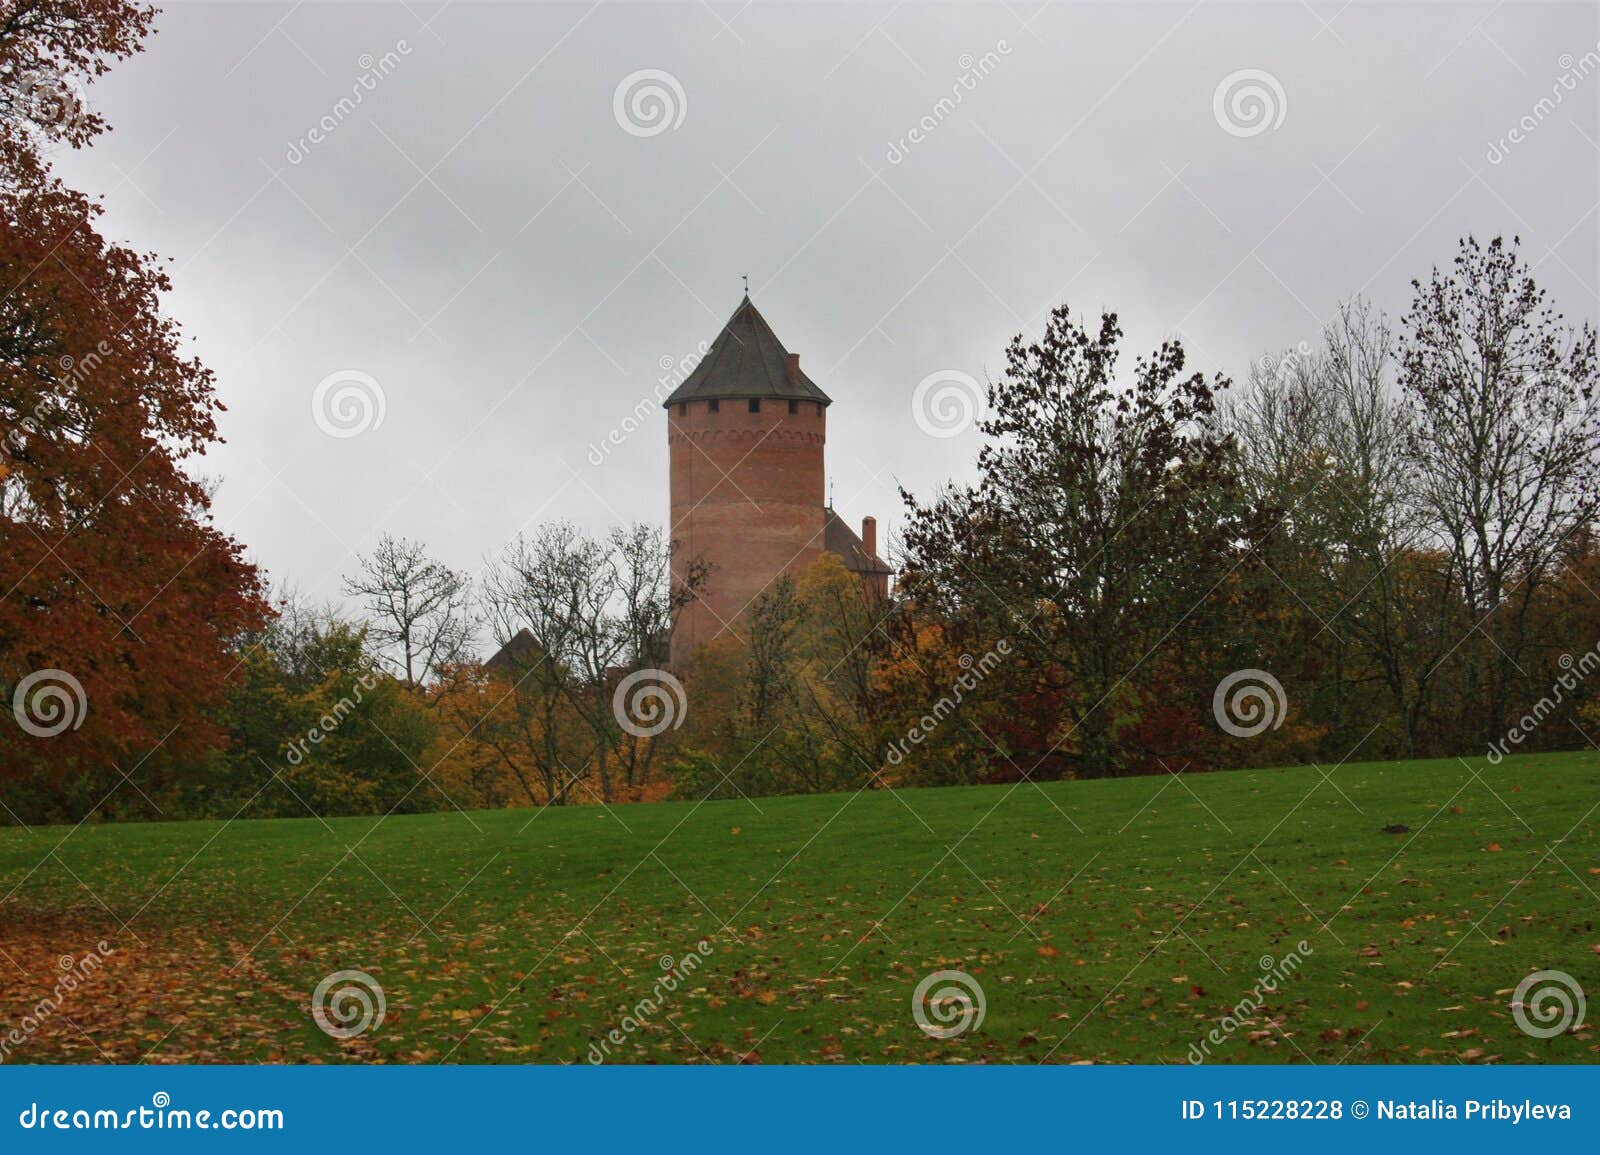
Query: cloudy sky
point(505, 219)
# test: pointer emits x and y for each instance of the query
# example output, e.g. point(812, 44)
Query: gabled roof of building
point(520, 652)
point(747, 360)
point(839, 538)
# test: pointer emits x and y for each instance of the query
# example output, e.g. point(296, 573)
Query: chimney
point(794, 368)
point(869, 537)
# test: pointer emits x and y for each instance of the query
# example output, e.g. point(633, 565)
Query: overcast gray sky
point(511, 258)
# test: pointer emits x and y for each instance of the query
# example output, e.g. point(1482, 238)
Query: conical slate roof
point(747, 360)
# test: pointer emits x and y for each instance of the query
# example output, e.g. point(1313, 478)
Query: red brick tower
point(745, 434)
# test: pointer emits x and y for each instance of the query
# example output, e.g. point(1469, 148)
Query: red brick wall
point(747, 496)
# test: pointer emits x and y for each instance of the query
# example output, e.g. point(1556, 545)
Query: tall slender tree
point(1505, 439)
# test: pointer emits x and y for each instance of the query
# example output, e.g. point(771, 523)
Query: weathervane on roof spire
point(747, 284)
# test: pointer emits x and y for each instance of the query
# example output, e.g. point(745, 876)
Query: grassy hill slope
point(1114, 921)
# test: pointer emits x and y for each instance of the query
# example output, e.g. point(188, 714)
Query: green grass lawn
point(1109, 921)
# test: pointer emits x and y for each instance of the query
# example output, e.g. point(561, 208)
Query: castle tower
point(745, 435)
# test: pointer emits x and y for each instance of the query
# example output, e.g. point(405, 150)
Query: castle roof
point(839, 538)
point(521, 651)
point(747, 360)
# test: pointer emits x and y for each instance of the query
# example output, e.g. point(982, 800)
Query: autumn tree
point(120, 600)
point(1100, 523)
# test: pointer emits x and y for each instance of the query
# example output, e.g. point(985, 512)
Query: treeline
point(386, 709)
point(1380, 547)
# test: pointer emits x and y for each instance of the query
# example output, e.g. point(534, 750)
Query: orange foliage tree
point(120, 601)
